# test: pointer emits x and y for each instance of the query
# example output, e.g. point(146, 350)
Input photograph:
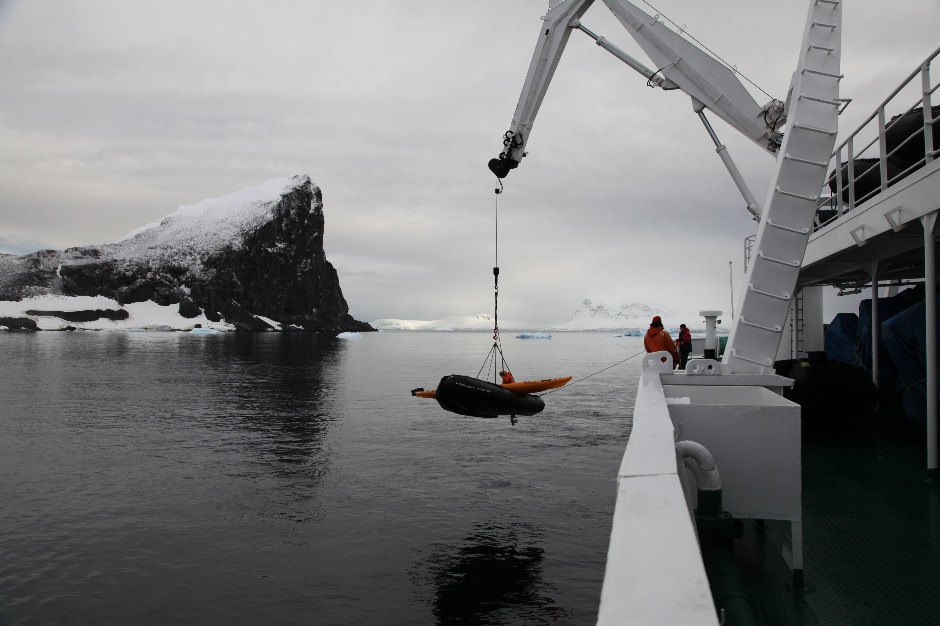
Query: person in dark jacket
point(658, 340)
point(684, 342)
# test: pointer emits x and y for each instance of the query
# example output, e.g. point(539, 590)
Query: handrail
point(654, 556)
point(832, 205)
point(904, 83)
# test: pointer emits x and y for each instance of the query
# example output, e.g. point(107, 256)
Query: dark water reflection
point(493, 576)
point(167, 478)
point(277, 389)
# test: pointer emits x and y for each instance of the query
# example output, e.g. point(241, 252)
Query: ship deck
point(871, 530)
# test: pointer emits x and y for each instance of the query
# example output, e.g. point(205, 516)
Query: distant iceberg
point(348, 336)
point(534, 336)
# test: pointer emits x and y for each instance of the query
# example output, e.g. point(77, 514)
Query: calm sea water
point(169, 478)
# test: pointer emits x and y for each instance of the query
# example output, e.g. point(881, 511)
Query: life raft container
point(867, 178)
point(478, 398)
point(900, 130)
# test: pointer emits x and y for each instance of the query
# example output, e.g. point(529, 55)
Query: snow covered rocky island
point(252, 260)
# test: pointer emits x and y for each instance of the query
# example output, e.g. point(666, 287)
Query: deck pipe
point(716, 532)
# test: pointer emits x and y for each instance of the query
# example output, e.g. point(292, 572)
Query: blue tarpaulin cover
point(887, 308)
point(842, 340)
point(905, 338)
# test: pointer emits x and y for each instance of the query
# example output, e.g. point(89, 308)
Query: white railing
point(860, 170)
point(654, 573)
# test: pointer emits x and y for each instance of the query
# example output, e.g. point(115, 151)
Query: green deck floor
point(871, 533)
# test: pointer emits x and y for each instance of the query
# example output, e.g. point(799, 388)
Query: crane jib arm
point(553, 36)
point(682, 65)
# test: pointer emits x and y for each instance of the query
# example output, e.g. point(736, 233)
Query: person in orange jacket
point(507, 377)
point(658, 340)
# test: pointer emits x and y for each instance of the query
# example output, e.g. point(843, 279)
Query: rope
point(492, 354)
point(594, 374)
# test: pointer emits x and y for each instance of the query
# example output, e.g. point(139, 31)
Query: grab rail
point(889, 165)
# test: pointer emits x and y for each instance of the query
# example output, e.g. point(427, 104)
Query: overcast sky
point(114, 112)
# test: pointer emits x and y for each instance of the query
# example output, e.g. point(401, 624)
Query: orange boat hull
point(534, 386)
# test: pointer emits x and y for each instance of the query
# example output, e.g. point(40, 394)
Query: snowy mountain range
point(592, 314)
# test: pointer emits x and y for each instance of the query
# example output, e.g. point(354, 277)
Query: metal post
point(875, 323)
point(930, 282)
point(731, 283)
point(928, 113)
point(711, 333)
point(850, 151)
point(883, 145)
point(840, 183)
point(794, 345)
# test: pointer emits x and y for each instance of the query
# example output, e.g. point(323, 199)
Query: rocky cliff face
point(254, 254)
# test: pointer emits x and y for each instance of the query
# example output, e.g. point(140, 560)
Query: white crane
point(803, 151)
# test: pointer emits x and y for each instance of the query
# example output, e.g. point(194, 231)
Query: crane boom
point(700, 75)
point(682, 64)
point(812, 107)
point(553, 37)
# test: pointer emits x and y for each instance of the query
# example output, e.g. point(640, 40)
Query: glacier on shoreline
point(592, 314)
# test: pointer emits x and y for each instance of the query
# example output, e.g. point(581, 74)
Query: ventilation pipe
point(716, 532)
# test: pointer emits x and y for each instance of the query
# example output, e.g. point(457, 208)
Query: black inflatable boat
point(465, 395)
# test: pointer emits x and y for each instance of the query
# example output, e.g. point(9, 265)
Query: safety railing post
point(882, 148)
point(840, 183)
point(850, 157)
point(928, 112)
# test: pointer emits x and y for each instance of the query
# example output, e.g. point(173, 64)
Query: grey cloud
point(114, 113)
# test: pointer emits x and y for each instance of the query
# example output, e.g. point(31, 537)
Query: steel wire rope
point(497, 342)
point(633, 356)
point(684, 31)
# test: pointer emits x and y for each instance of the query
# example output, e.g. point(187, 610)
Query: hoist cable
point(497, 342)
